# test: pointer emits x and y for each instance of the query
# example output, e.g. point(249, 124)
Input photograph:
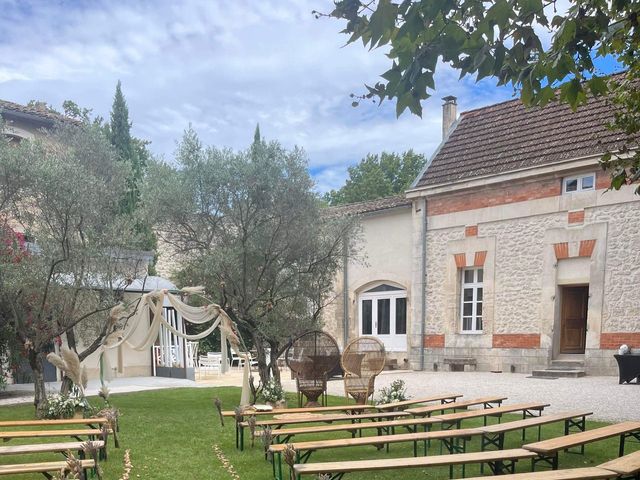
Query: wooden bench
point(305, 449)
point(46, 447)
point(547, 450)
point(625, 466)
point(493, 435)
point(43, 467)
point(499, 462)
point(280, 422)
point(389, 426)
point(456, 364)
point(455, 419)
point(586, 473)
point(281, 411)
point(78, 434)
point(53, 423)
point(429, 409)
point(442, 398)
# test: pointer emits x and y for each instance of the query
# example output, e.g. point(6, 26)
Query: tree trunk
point(273, 362)
point(40, 392)
point(263, 368)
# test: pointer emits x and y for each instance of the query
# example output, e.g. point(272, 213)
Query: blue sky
point(222, 66)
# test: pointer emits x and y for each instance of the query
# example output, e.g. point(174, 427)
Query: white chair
point(239, 360)
point(208, 363)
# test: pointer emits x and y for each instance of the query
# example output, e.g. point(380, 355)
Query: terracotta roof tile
point(9, 107)
point(509, 136)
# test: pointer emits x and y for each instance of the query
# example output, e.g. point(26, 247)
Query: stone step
point(558, 373)
point(568, 364)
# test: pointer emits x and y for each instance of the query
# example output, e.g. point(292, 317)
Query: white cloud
point(223, 67)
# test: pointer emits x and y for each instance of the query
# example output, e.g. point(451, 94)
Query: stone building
point(520, 258)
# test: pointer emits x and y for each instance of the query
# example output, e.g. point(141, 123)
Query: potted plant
point(273, 394)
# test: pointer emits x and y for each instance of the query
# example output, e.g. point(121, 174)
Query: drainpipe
point(423, 272)
point(345, 293)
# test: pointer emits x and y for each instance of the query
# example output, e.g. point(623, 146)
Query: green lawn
point(171, 434)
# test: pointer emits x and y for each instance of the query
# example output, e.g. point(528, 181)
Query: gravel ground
point(603, 396)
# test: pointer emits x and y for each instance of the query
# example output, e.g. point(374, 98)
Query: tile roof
point(509, 136)
point(369, 206)
point(43, 114)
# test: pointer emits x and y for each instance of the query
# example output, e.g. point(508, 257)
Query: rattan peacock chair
point(311, 356)
point(362, 360)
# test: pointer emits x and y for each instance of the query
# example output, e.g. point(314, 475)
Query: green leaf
point(565, 34)
point(598, 86)
point(500, 13)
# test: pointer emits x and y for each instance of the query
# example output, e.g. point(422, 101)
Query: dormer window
point(579, 183)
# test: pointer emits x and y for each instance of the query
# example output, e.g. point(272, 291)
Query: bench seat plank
point(51, 433)
point(281, 411)
point(379, 439)
point(46, 423)
point(452, 406)
point(408, 422)
point(626, 465)
point(433, 398)
point(588, 473)
point(532, 422)
point(516, 407)
point(326, 419)
point(41, 467)
point(412, 462)
point(46, 447)
point(581, 438)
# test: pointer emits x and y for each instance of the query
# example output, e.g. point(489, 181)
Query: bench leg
point(549, 460)
point(580, 425)
point(501, 467)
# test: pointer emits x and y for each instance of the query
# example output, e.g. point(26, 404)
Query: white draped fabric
point(151, 306)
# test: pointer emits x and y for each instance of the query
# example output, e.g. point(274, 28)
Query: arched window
point(382, 312)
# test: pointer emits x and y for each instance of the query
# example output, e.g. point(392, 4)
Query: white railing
point(167, 356)
point(192, 354)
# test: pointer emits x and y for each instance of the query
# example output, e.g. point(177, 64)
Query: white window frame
point(475, 285)
point(395, 341)
point(578, 179)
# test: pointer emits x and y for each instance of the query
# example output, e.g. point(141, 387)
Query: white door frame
point(393, 342)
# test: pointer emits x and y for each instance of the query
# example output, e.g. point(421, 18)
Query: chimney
point(449, 114)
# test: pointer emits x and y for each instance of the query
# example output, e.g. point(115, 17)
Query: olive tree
point(248, 226)
point(62, 275)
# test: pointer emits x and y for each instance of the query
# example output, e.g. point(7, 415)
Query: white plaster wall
point(385, 255)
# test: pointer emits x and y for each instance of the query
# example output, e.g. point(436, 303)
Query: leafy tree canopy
point(248, 226)
point(505, 39)
point(62, 275)
point(378, 176)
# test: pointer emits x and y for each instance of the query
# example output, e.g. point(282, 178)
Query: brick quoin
point(612, 341)
point(471, 231)
point(586, 248)
point(434, 341)
point(562, 250)
point(576, 217)
point(516, 340)
point(461, 260)
point(479, 258)
point(490, 197)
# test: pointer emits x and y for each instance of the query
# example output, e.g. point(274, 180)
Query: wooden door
point(574, 319)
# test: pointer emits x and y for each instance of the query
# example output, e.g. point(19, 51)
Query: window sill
point(469, 332)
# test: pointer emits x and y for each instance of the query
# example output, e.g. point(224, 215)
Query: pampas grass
point(69, 363)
